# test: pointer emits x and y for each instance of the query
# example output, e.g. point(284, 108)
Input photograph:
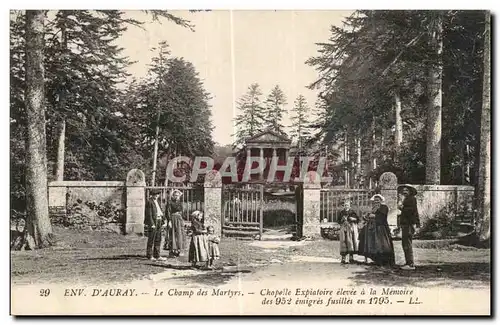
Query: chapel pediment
point(268, 136)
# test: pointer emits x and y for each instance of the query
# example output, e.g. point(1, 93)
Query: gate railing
point(192, 198)
point(332, 201)
point(243, 208)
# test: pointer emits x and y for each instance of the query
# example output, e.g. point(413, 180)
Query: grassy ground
point(96, 257)
point(99, 257)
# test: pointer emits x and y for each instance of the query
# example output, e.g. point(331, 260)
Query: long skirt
point(375, 242)
point(213, 250)
point(348, 238)
point(198, 249)
point(167, 243)
point(177, 235)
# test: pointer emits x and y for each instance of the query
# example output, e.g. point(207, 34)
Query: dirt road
point(288, 282)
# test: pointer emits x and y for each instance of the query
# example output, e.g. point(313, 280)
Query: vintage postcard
point(250, 162)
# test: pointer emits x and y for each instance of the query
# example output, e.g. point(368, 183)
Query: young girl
point(348, 236)
point(213, 247)
point(198, 248)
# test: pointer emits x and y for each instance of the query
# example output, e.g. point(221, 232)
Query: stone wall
point(88, 204)
point(62, 193)
point(434, 199)
point(448, 203)
point(120, 206)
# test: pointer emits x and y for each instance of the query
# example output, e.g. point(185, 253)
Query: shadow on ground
point(171, 266)
point(215, 277)
point(115, 258)
point(452, 274)
point(210, 278)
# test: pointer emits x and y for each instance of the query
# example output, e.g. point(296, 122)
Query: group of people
point(374, 240)
point(204, 244)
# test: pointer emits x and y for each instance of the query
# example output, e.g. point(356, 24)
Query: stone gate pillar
point(213, 201)
point(388, 183)
point(136, 202)
point(311, 206)
point(57, 198)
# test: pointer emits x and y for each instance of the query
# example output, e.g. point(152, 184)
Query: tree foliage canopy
point(85, 74)
point(376, 54)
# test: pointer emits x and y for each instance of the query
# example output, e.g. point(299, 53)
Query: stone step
point(276, 237)
point(240, 228)
point(239, 233)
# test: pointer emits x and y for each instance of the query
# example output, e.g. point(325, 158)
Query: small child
point(198, 248)
point(213, 247)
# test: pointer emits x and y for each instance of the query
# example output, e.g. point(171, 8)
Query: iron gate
point(192, 198)
point(332, 201)
point(243, 210)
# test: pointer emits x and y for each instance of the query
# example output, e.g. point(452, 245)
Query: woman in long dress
point(177, 234)
point(376, 242)
point(198, 247)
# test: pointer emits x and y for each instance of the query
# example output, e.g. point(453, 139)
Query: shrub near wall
point(90, 215)
point(442, 208)
point(451, 221)
point(278, 212)
point(89, 205)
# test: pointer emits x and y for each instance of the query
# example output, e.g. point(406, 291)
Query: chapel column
point(261, 161)
point(248, 162)
point(274, 160)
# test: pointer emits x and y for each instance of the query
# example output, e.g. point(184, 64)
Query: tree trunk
point(435, 74)
point(346, 161)
point(466, 171)
point(158, 115)
point(373, 156)
point(38, 222)
point(484, 182)
point(299, 140)
point(358, 161)
point(155, 151)
point(59, 171)
point(382, 145)
point(398, 136)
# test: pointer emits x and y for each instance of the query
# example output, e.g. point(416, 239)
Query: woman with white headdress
point(177, 234)
point(198, 247)
point(375, 239)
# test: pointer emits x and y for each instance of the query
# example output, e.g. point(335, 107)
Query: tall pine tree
point(251, 119)
point(85, 67)
point(300, 123)
point(173, 90)
point(275, 108)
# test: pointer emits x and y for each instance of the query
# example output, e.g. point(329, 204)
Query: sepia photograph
point(250, 162)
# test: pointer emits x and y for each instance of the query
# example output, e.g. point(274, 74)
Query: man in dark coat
point(154, 219)
point(408, 220)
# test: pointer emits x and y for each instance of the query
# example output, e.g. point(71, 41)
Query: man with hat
point(408, 220)
point(154, 219)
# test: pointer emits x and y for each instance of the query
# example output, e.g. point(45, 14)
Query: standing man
point(154, 220)
point(408, 221)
